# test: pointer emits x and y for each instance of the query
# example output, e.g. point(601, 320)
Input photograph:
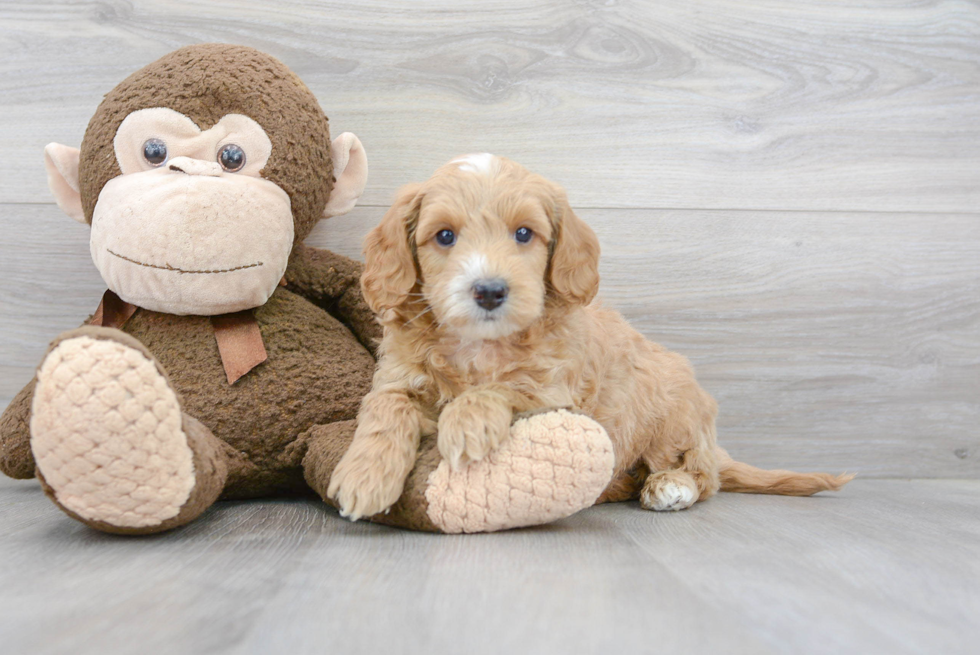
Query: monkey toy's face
point(190, 227)
point(198, 173)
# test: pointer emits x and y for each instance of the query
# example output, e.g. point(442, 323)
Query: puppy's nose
point(490, 294)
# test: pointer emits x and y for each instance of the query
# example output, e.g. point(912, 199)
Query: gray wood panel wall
point(787, 192)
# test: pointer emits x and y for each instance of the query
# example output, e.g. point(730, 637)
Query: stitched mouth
point(168, 267)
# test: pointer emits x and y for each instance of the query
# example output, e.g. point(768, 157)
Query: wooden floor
point(786, 192)
point(887, 566)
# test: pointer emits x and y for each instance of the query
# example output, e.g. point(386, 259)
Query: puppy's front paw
point(363, 486)
point(472, 426)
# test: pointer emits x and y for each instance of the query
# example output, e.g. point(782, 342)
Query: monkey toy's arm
point(16, 460)
point(333, 282)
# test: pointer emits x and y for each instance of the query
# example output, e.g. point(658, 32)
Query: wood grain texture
point(831, 341)
point(884, 567)
point(733, 104)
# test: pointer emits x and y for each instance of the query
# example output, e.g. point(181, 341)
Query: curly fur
point(547, 345)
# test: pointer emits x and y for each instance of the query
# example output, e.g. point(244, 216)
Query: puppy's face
point(482, 244)
point(482, 247)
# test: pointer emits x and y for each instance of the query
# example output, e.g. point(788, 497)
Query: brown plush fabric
point(411, 510)
point(205, 82)
point(210, 469)
point(326, 444)
point(333, 282)
point(316, 373)
point(16, 460)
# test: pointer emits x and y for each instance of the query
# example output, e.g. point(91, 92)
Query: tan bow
point(238, 335)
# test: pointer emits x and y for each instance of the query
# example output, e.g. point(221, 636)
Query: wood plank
point(831, 341)
point(856, 573)
point(843, 105)
point(885, 566)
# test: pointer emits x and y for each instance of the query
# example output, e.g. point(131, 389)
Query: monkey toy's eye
point(231, 158)
point(523, 235)
point(445, 237)
point(155, 152)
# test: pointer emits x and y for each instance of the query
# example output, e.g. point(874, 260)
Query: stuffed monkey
point(227, 359)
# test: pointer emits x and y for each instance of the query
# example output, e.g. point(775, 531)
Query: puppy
point(483, 278)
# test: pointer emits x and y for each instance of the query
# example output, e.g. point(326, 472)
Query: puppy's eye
point(445, 237)
point(231, 158)
point(154, 152)
point(523, 235)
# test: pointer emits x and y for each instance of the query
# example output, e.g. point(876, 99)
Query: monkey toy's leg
point(554, 464)
point(112, 445)
point(16, 460)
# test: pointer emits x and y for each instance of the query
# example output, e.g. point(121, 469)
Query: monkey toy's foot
point(112, 446)
point(553, 465)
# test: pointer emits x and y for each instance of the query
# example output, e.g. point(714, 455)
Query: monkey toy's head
point(198, 173)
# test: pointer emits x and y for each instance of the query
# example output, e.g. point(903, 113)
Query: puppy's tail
point(743, 478)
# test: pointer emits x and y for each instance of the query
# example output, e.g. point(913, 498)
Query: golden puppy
point(483, 278)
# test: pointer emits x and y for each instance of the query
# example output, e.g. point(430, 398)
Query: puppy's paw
point(669, 491)
point(472, 426)
point(362, 485)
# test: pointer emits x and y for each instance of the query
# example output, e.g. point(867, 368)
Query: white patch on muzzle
point(473, 268)
point(471, 320)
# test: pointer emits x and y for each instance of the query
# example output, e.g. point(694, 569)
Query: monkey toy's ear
point(61, 163)
point(350, 168)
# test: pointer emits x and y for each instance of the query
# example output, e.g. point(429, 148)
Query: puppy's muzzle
point(490, 294)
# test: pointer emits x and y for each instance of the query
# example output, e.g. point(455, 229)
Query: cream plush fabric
point(131, 468)
point(553, 465)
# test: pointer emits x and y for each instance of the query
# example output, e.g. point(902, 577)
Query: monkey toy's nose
point(490, 294)
point(195, 166)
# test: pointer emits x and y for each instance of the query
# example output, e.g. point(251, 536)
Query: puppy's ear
point(389, 268)
point(574, 266)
